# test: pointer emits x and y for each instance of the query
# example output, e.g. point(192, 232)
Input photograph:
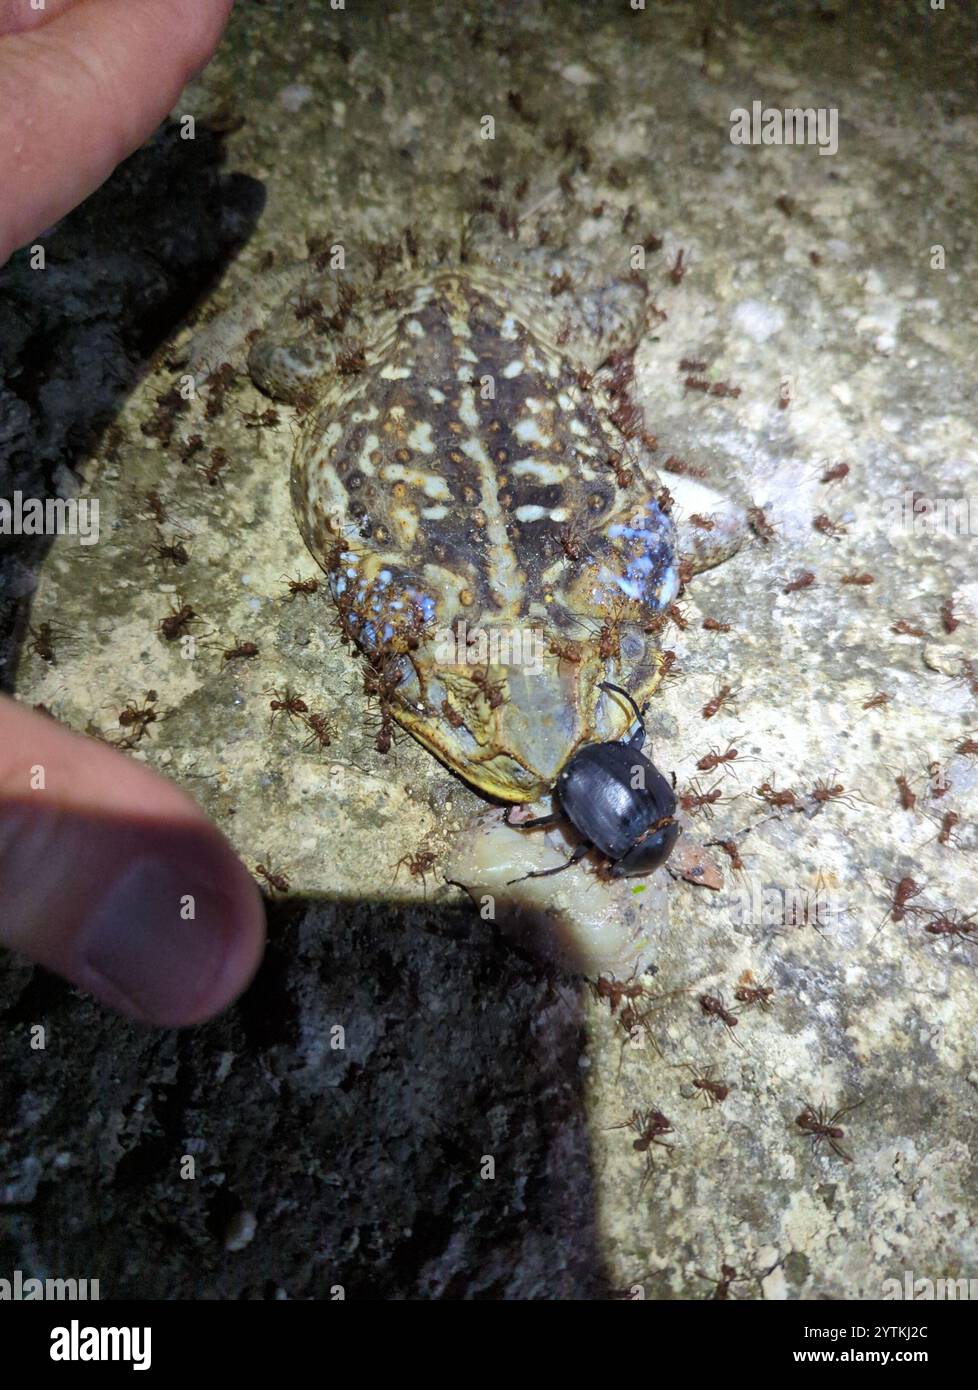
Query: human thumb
point(114, 878)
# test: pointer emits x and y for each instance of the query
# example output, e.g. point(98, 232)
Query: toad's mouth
point(508, 731)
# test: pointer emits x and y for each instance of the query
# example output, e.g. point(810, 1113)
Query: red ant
point(278, 882)
point(714, 1008)
point(155, 504)
point(323, 730)
point(212, 471)
point(713, 705)
point(385, 734)
point(176, 622)
point(246, 650)
point(418, 865)
point(139, 717)
point(678, 615)
point(951, 924)
point(730, 849)
point(713, 759)
point(301, 586)
point(948, 619)
point(827, 526)
point(824, 792)
point(948, 822)
point(492, 690)
point(903, 891)
point(692, 801)
point(819, 1126)
point(174, 553)
point(667, 665)
point(753, 995)
point(43, 641)
point(616, 990)
point(714, 625)
point(678, 269)
point(565, 650)
point(623, 475)
point(802, 581)
point(288, 703)
point(864, 580)
point(877, 701)
point(760, 525)
point(782, 799)
point(674, 464)
point(908, 799)
point(906, 629)
point(713, 1092)
point(650, 1128)
point(705, 523)
point(254, 421)
point(835, 474)
point(728, 1277)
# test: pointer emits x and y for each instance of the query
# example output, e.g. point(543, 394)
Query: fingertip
point(114, 878)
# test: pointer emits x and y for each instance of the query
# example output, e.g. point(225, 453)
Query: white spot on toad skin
point(406, 522)
point(430, 483)
point(528, 432)
point(758, 320)
point(437, 513)
point(395, 373)
point(507, 329)
point(414, 328)
point(437, 396)
point(530, 513)
point(504, 573)
point(420, 438)
point(542, 469)
point(467, 412)
point(369, 445)
point(513, 369)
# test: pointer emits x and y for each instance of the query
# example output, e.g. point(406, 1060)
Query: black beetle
point(633, 825)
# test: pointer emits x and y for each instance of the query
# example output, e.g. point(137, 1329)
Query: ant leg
point(575, 858)
point(552, 819)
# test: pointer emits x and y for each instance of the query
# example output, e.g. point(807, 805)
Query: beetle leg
point(578, 854)
point(638, 738)
point(552, 819)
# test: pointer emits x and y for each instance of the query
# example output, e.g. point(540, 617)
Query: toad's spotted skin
point(454, 469)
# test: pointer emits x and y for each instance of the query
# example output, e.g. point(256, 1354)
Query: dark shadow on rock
point(436, 1147)
point(121, 272)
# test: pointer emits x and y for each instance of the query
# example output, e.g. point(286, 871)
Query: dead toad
point(470, 477)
